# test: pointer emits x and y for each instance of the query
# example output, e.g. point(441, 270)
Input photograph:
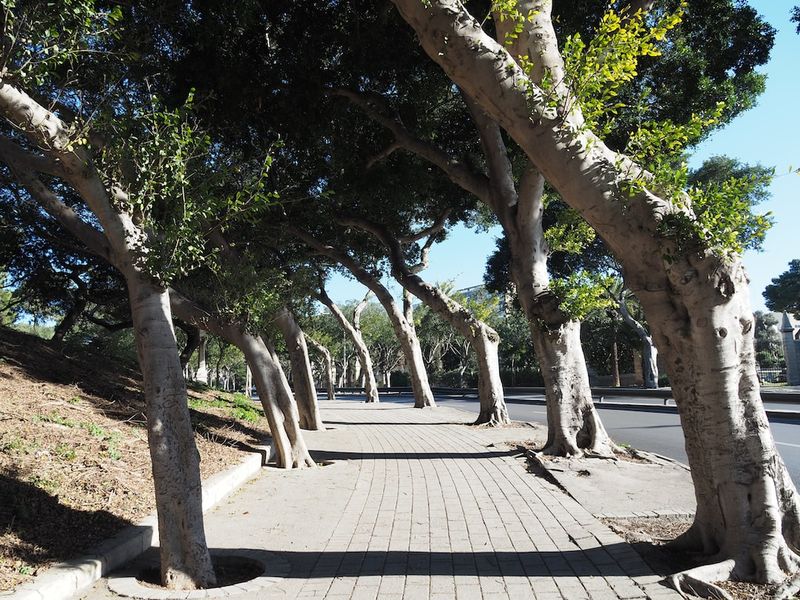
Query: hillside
point(74, 462)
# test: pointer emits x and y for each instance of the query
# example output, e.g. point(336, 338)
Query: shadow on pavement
point(335, 455)
point(571, 563)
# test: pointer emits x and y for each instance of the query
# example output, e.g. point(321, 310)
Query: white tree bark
point(273, 390)
point(185, 561)
point(304, 390)
point(175, 460)
point(330, 368)
point(695, 302)
point(354, 333)
point(402, 327)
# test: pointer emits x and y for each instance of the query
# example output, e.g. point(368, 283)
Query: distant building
point(790, 335)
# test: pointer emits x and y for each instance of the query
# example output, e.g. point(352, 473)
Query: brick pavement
point(419, 506)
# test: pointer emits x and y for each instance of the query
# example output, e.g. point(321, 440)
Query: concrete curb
point(64, 580)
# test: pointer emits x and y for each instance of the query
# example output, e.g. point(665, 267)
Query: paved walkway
point(417, 505)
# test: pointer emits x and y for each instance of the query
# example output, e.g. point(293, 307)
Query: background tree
point(769, 349)
point(784, 291)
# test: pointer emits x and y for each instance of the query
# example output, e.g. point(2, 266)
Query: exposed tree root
point(698, 581)
point(493, 418)
point(788, 589)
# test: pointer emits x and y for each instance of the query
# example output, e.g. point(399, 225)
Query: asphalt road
point(656, 432)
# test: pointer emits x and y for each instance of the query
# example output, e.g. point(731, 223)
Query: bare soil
point(649, 535)
point(74, 461)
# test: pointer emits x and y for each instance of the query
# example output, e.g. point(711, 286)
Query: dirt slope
point(74, 463)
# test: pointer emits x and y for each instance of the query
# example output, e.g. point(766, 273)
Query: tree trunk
point(185, 560)
point(649, 351)
point(615, 364)
point(68, 322)
point(694, 296)
point(192, 343)
point(649, 363)
point(747, 506)
point(483, 339)
point(403, 329)
point(573, 426)
point(330, 369)
point(354, 333)
point(277, 402)
point(304, 390)
point(276, 399)
point(201, 373)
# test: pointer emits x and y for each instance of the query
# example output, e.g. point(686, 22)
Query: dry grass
point(74, 462)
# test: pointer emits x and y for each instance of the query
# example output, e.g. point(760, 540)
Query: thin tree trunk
point(185, 560)
point(304, 390)
point(649, 350)
point(403, 329)
point(192, 343)
point(201, 373)
point(330, 369)
point(354, 333)
point(615, 364)
point(68, 322)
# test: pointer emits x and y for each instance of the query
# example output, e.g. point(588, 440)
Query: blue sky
point(768, 134)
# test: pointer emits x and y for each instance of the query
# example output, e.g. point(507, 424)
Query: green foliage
point(40, 37)
point(598, 69)
point(570, 233)
point(580, 293)
point(783, 294)
point(768, 346)
point(238, 405)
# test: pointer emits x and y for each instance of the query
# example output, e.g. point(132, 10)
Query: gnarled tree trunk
point(649, 350)
point(747, 507)
point(302, 378)
point(185, 561)
point(694, 296)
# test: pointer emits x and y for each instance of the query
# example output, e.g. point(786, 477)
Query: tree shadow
point(608, 561)
point(341, 455)
point(395, 423)
point(46, 529)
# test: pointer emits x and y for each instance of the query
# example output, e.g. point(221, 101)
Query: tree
point(784, 291)
point(688, 277)
point(117, 224)
point(482, 338)
point(353, 331)
point(769, 349)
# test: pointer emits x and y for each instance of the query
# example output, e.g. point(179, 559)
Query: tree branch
point(435, 228)
point(92, 238)
point(376, 108)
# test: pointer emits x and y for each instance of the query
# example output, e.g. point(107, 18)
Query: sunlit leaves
point(581, 293)
point(598, 69)
point(39, 37)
